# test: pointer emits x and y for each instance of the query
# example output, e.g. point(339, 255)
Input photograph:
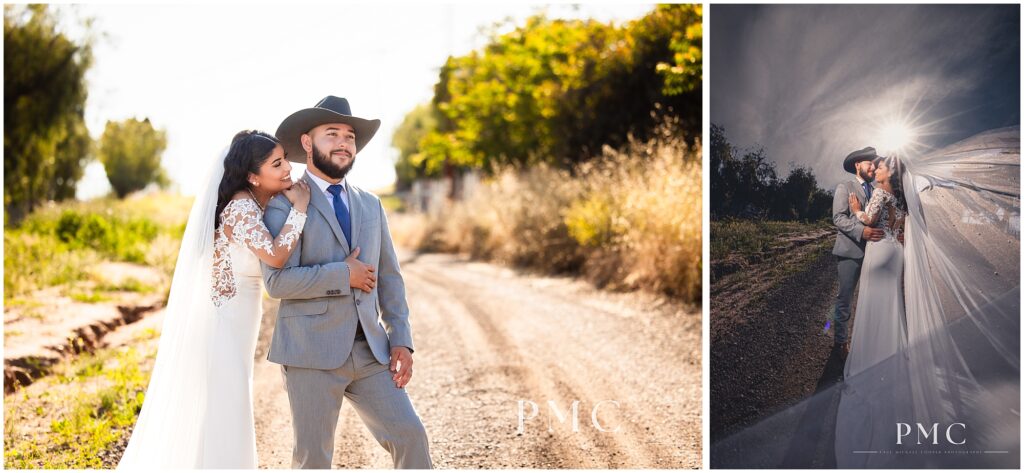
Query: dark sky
point(811, 83)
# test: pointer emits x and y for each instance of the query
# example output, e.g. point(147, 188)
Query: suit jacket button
point(359, 301)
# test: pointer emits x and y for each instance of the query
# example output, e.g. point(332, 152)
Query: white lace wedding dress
point(223, 435)
point(876, 365)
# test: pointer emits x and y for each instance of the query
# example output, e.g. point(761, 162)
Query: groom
point(852, 237)
point(340, 279)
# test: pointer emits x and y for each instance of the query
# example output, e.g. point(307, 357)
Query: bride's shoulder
point(240, 203)
point(241, 195)
point(241, 198)
point(883, 193)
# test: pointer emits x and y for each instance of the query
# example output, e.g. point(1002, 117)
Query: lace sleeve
point(243, 224)
point(869, 215)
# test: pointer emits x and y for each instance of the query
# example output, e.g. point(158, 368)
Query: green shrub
point(123, 239)
point(590, 220)
point(56, 244)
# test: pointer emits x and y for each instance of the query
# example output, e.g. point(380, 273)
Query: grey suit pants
point(849, 274)
point(315, 397)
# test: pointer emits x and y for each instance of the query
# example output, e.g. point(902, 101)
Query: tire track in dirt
point(547, 381)
point(487, 337)
point(587, 366)
point(550, 384)
point(487, 369)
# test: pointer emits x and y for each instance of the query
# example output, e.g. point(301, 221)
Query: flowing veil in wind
point(958, 388)
point(168, 432)
point(963, 295)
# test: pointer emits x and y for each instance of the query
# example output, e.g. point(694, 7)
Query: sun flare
point(894, 137)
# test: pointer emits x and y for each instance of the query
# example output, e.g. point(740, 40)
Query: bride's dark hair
point(249, 150)
point(895, 178)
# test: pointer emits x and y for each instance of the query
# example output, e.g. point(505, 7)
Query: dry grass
point(630, 219)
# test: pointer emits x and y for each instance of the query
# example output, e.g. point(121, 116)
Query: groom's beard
point(323, 162)
point(863, 175)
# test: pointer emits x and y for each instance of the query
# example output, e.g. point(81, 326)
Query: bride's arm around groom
point(319, 275)
point(293, 281)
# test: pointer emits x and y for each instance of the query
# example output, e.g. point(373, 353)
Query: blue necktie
point(867, 191)
point(341, 212)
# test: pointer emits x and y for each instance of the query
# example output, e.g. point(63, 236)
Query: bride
point(198, 408)
point(933, 376)
point(866, 418)
point(881, 315)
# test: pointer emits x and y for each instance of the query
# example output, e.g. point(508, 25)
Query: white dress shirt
point(322, 184)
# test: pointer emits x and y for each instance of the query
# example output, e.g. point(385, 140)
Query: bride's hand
point(298, 195)
point(854, 203)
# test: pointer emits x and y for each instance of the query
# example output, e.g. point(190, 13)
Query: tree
point(557, 91)
point(130, 152)
point(722, 182)
point(749, 186)
point(798, 190)
point(416, 125)
point(46, 143)
point(684, 73)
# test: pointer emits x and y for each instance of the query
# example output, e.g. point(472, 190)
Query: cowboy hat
point(329, 110)
point(866, 154)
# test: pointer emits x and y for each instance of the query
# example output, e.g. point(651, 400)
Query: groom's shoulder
point(365, 194)
point(279, 202)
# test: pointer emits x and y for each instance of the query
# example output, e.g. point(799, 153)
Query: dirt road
point(769, 351)
point(489, 339)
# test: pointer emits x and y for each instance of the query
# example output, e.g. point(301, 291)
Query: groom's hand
point(360, 275)
point(401, 366)
point(873, 234)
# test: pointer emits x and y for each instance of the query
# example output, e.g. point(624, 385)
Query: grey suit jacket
point(850, 240)
point(316, 323)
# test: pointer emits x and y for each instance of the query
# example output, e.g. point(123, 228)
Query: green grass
point(86, 410)
point(74, 418)
point(89, 297)
point(751, 237)
point(55, 245)
point(33, 262)
point(128, 284)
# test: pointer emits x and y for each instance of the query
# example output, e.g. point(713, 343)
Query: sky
point(811, 83)
point(203, 73)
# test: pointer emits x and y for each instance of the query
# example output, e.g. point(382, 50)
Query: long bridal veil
point(168, 431)
point(958, 403)
point(963, 297)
